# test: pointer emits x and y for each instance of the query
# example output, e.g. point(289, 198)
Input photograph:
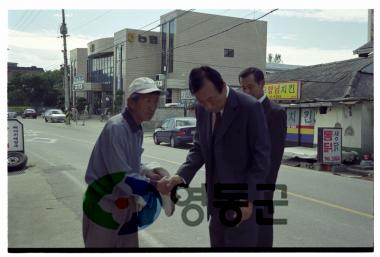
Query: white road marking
point(42, 140)
point(42, 158)
point(75, 180)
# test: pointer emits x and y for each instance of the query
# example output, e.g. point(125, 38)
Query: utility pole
point(63, 31)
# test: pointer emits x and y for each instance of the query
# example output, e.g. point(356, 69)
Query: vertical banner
point(330, 145)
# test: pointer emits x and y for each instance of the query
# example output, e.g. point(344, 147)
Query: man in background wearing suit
point(232, 140)
point(252, 82)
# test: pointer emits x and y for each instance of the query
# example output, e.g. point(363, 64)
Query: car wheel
point(172, 142)
point(155, 139)
point(46, 120)
point(16, 161)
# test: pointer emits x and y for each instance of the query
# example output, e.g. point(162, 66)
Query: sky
point(301, 36)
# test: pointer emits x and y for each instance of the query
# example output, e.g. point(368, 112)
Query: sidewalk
point(32, 206)
point(306, 157)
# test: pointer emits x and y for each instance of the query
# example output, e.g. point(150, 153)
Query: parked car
point(175, 131)
point(54, 115)
point(29, 113)
point(174, 105)
point(43, 110)
point(12, 115)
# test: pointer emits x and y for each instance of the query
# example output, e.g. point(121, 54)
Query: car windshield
point(56, 112)
point(29, 110)
point(182, 123)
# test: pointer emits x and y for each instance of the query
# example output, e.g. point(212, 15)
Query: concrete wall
point(143, 59)
point(367, 127)
point(341, 114)
point(102, 45)
point(248, 41)
point(138, 59)
point(120, 41)
point(79, 55)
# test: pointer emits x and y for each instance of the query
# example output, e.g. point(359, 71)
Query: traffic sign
point(15, 136)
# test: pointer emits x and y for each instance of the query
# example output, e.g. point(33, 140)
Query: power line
point(176, 17)
point(149, 24)
point(190, 10)
point(224, 31)
point(24, 17)
point(92, 20)
point(188, 44)
point(191, 43)
point(196, 24)
point(124, 41)
point(214, 65)
point(31, 20)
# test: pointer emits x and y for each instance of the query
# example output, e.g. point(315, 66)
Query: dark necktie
point(214, 171)
point(218, 118)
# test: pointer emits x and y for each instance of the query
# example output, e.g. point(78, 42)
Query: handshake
point(165, 182)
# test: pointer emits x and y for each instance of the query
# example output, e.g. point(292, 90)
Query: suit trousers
point(244, 235)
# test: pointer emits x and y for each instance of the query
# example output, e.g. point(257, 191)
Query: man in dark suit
point(232, 140)
point(252, 82)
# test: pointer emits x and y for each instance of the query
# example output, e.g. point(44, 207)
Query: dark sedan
point(29, 113)
point(175, 131)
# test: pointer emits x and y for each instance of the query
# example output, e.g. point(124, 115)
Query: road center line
point(42, 158)
point(307, 198)
point(331, 205)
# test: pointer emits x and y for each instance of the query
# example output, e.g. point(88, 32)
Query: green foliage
point(277, 58)
point(37, 90)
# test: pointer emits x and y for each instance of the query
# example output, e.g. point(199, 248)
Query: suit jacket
point(241, 147)
point(276, 119)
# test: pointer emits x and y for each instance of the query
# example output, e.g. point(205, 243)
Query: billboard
point(290, 90)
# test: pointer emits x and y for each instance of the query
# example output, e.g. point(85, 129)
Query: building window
point(121, 68)
point(164, 31)
point(229, 53)
point(171, 44)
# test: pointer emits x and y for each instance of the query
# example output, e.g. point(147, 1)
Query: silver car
point(54, 115)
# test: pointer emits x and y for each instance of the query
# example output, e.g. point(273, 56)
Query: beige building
point(78, 70)
point(169, 55)
point(229, 52)
point(100, 72)
point(137, 54)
